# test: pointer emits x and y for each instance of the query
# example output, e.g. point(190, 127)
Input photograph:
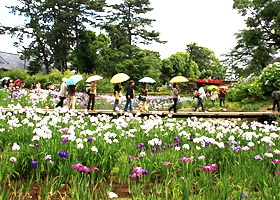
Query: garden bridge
point(259, 115)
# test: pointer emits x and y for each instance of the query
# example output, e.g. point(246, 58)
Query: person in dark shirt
point(276, 97)
point(223, 94)
point(129, 96)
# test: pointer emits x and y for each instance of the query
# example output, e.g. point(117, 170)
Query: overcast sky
point(210, 24)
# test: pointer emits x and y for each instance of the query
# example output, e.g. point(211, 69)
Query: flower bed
point(69, 155)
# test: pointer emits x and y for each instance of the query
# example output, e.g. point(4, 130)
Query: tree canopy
point(208, 63)
point(260, 42)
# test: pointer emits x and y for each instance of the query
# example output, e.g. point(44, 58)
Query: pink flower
point(13, 159)
point(276, 161)
point(276, 151)
point(269, 155)
point(186, 159)
point(200, 158)
point(210, 168)
point(139, 171)
point(246, 148)
point(167, 163)
point(83, 168)
point(134, 175)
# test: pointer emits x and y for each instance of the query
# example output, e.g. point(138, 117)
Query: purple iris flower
point(63, 154)
point(90, 139)
point(176, 139)
point(34, 163)
point(139, 146)
point(207, 144)
point(64, 140)
point(243, 196)
point(258, 157)
point(164, 148)
point(130, 158)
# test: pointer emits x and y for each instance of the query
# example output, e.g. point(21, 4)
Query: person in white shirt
point(202, 96)
point(62, 92)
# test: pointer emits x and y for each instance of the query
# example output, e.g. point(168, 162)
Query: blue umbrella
point(73, 80)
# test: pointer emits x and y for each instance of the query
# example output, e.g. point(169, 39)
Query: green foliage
point(259, 42)
point(87, 57)
point(246, 92)
point(208, 64)
point(128, 26)
point(270, 77)
point(179, 64)
point(15, 74)
point(53, 27)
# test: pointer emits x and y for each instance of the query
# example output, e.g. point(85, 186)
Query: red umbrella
point(17, 82)
point(223, 88)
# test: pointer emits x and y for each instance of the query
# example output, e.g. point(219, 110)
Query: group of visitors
point(11, 85)
point(214, 96)
point(71, 101)
point(129, 94)
point(71, 90)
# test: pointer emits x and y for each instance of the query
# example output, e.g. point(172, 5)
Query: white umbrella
point(94, 78)
point(147, 80)
point(5, 78)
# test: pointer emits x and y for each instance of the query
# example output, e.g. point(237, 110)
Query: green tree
point(87, 56)
point(54, 27)
point(179, 64)
point(126, 25)
point(259, 43)
point(208, 64)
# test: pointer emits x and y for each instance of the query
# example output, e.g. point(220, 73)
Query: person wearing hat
point(62, 93)
point(201, 97)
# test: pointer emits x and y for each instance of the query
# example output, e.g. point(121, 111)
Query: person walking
point(223, 97)
point(214, 96)
point(276, 97)
point(144, 92)
point(175, 93)
point(62, 93)
point(201, 97)
point(117, 90)
point(129, 96)
point(71, 96)
point(92, 95)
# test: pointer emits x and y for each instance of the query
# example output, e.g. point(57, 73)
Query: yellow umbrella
point(179, 79)
point(120, 77)
point(211, 87)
